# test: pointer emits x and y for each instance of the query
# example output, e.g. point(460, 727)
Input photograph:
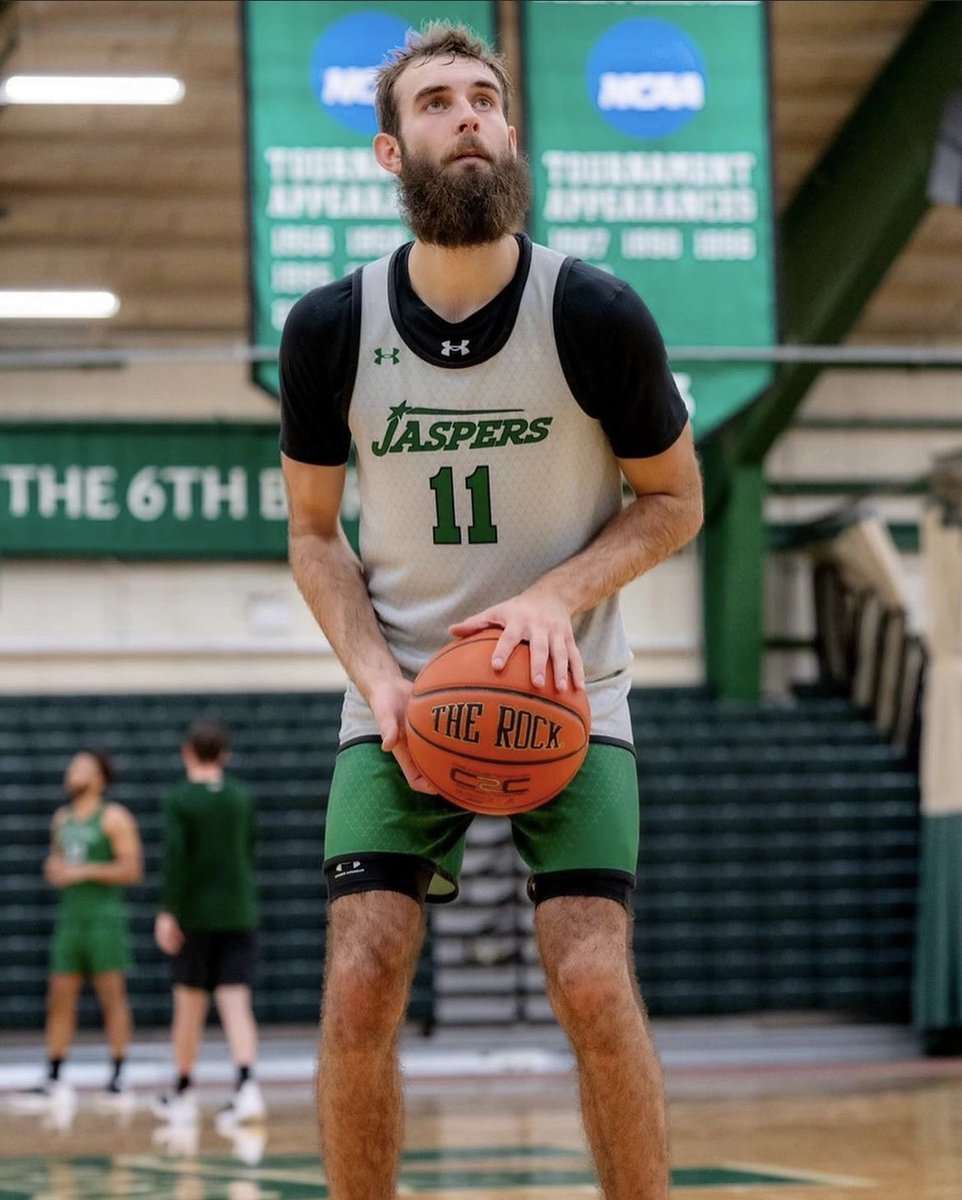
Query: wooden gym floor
point(815, 1122)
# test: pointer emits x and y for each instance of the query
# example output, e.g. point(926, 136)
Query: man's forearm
point(642, 535)
point(115, 872)
point(329, 577)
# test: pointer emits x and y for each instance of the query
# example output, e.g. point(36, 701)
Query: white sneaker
point(246, 1104)
point(180, 1108)
point(53, 1093)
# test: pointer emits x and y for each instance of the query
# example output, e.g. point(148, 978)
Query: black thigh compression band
point(378, 872)
point(609, 885)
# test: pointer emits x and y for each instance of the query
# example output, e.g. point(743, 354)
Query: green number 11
point(447, 532)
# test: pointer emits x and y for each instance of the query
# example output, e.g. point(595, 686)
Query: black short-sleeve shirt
point(610, 348)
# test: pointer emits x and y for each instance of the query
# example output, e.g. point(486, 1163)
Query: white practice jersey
point(474, 482)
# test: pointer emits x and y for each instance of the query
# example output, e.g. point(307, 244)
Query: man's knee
point(373, 942)
point(63, 989)
point(588, 989)
point(365, 991)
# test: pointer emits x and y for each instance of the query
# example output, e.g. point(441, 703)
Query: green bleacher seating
point(778, 860)
point(777, 866)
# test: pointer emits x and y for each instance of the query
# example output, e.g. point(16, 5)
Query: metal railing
point(865, 652)
point(932, 357)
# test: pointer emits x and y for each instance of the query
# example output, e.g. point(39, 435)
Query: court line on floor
point(166, 1166)
point(801, 1175)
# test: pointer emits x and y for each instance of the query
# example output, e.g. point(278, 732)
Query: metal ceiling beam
point(858, 209)
point(840, 234)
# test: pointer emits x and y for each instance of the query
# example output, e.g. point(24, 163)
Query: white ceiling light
point(91, 89)
point(56, 306)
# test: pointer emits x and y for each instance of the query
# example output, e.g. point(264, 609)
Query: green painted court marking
point(453, 1154)
point(719, 1177)
point(438, 1154)
point(299, 1176)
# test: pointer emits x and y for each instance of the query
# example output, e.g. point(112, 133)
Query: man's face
point(452, 112)
point(461, 181)
point(82, 775)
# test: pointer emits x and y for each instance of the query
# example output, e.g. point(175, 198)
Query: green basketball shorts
point(90, 947)
point(382, 836)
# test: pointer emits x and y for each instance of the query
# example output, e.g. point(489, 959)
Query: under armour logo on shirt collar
point(449, 348)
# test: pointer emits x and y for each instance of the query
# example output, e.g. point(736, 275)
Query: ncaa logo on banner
point(646, 77)
point(343, 62)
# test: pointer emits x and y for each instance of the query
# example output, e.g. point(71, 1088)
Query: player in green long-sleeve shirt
point(209, 843)
point(209, 917)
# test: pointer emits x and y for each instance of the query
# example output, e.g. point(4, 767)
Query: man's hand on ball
point(542, 621)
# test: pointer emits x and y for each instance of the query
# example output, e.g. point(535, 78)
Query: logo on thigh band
point(378, 872)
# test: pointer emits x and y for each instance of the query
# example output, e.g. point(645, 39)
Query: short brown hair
point(208, 739)
point(436, 40)
point(105, 764)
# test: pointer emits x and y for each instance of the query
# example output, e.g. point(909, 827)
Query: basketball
point(490, 741)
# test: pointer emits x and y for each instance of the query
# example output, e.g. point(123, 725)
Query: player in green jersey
point(94, 851)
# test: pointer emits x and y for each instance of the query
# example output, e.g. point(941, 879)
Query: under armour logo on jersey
point(449, 348)
point(392, 356)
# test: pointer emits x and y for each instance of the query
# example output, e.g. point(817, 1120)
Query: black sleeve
point(614, 360)
point(318, 363)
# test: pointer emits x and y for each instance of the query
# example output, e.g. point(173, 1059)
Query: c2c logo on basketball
point(646, 77)
point(344, 60)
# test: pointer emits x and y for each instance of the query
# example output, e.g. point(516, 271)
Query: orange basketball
point(490, 741)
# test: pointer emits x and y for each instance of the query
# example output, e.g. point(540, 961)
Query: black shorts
point(211, 960)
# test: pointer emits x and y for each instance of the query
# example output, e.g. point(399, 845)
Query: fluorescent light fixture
point(57, 306)
point(91, 89)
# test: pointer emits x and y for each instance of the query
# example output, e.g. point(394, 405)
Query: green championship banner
point(648, 131)
point(319, 205)
point(144, 491)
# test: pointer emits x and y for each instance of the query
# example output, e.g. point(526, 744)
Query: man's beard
point(464, 206)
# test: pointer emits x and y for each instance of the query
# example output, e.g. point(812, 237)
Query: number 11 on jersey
point(447, 532)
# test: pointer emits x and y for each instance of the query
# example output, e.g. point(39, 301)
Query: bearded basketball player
point(496, 394)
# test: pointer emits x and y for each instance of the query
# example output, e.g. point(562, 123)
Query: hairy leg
point(190, 1013)
point(373, 943)
point(584, 945)
point(63, 990)
point(111, 989)
point(237, 1018)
